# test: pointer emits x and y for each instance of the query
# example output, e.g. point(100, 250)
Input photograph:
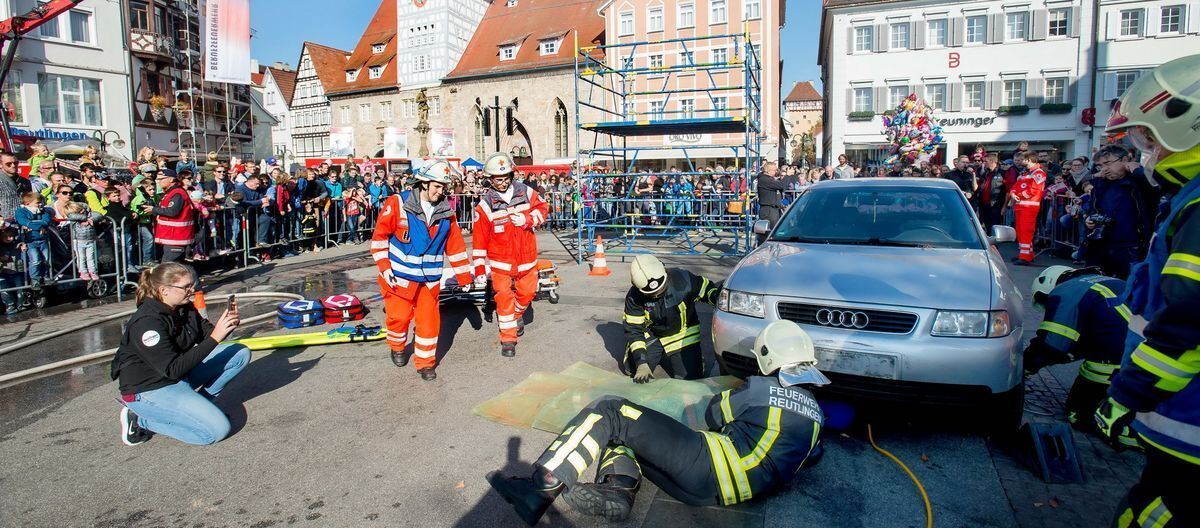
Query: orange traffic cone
point(599, 263)
point(200, 305)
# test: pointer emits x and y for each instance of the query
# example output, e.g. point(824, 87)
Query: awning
point(471, 163)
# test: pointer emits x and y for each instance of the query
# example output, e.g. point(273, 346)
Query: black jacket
point(670, 318)
point(770, 191)
point(160, 346)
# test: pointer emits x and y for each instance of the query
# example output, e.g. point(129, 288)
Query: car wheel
point(1006, 411)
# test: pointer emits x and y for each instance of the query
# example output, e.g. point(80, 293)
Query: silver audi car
point(905, 296)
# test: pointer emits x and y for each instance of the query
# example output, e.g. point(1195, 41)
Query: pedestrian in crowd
point(255, 208)
point(41, 179)
point(94, 192)
point(961, 177)
point(171, 364)
point(770, 194)
point(1019, 153)
point(1124, 206)
point(281, 206)
point(62, 198)
point(124, 222)
point(211, 162)
point(147, 155)
point(844, 170)
point(10, 278)
point(83, 223)
point(203, 217)
point(186, 163)
point(1025, 198)
point(145, 195)
point(174, 222)
point(310, 225)
point(56, 180)
point(992, 193)
point(36, 220)
point(40, 155)
point(12, 185)
point(90, 156)
point(218, 183)
point(1078, 173)
point(146, 171)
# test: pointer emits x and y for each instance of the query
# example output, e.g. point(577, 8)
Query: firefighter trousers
point(634, 440)
point(513, 295)
point(1163, 497)
point(401, 310)
point(1026, 220)
point(686, 363)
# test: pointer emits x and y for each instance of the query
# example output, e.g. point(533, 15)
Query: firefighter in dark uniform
point(661, 324)
point(1085, 319)
point(1157, 388)
point(759, 437)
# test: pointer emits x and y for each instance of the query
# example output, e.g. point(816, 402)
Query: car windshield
point(880, 216)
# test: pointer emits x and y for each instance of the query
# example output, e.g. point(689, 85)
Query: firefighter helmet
point(1166, 101)
point(785, 347)
point(648, 275)
point(1045, 283)
point(498, 164)
point(438, 171)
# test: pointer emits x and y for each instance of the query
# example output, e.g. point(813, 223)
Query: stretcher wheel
point(97, 289)
point(553, 296)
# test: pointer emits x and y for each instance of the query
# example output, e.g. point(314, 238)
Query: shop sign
point(688, 140)
point(46, 133)
point(974, 122)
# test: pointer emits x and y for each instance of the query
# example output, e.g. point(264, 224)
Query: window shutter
point(919, 90)
point(881, 41)
point(1034, 88)
point(995, 29)
point(850, 40)
point(1152, 21)
point(995, 90)
point(1073, 21)
point(1041, 26)
point(880, 99)
point(1192, 12)
point(850, 100)
point(958, 32)
point(1112, 25)
point(1073, 88)
point(1110, 86)
point(916, 32)
point(954, 97)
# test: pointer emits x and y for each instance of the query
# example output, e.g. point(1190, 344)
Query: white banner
point(441, 143)
point(341, 142)
point(395, 143)
point(227, 41)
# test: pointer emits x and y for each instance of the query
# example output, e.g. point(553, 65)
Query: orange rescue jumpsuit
point(510, 251)
point(1027, 192)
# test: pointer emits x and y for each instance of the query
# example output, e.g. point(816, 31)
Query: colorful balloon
point(913, 132)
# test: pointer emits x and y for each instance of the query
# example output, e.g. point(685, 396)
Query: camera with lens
point(1100, 222)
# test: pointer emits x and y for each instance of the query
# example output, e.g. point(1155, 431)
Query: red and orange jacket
point(1029, 188)
point(498, 243)
point(416, 252)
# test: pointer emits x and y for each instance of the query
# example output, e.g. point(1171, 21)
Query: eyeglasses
point(64, 192)
point(187, 290)
point(9, 163)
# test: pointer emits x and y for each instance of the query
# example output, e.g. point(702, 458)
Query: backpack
point(343, 308)
point(299, 314)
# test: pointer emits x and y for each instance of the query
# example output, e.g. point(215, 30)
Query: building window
point(936, 35)
point(1058, 23)
point(687, 58)
point(1056, 91)
point(81, 27)
point(508, 52)
point(548, 47)
point(720, 55)
point(899, 36)
point(862, 100)
point(1014, 25)
point(425, 62)
point(510, 3)
point(657, 109)
point(409, 108)
point(687, 16)
point(687, 108)
point(751, 9)
point(973, 95)
point(344, 115)
point(716, 12)
point(12, 95)
point(1172, 20)
point(720, 106)
point(377, 49)
point(435, 106)
point(351, 75)
point(864, 37)
point(375, 71)
point(654, 19)
point(1014, 93)
point(896, 94)
point(560, 130)
point(385, 110)
point(935, 95)
point(139, 16)
point(364, 113)
point(1131, 23)
point(70, 100)
point(271, 97)
point(656, 61)
point(625, 24)
point(976, 29)
point(1125, 80)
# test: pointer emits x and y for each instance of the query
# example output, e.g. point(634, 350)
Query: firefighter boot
point(508, 349)
point(520, 325)
point(609, 499)
point(400, 358)
point(529, 497)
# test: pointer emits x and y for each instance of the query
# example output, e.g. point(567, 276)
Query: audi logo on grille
point(842, 318)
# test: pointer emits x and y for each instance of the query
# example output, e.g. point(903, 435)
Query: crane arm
point(22, 24)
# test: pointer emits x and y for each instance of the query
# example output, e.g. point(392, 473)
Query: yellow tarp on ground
point(547, 401)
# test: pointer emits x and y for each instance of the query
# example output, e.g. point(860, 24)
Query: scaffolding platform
point(665, 127)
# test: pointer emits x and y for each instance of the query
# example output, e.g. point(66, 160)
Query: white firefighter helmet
point(498, 164)
point(439, 171)
point(1166, 101)
point(648, 275)
point(1046, 282)
point(786, 347)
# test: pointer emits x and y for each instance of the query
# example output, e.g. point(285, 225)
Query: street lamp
point(101, 136)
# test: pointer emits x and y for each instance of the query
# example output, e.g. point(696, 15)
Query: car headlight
point(971, 324)
point(741, 303)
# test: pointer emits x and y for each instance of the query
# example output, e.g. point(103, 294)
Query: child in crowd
point(355, 206)
point(235, 225)
point(124, 221)
point(310, 223)
point(83, 239)
point(35, 220)
point(41, 154)
point(10, 251)
point(209, 200)
point(203, 217)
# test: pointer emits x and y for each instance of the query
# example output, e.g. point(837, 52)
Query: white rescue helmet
point(438, 171)
point(498, 164)
point(1166, 101)
point(1046, 282)
point(648, 275)
point(785, 347)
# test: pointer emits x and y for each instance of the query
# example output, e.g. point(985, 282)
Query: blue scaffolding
point(613, 83)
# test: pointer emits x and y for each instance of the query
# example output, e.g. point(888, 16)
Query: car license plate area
point(857, 363)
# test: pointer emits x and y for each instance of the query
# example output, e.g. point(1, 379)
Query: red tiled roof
point(381, 30)
point(803, 91)
point(527, 22)
point(286, 81)
point(329, 63)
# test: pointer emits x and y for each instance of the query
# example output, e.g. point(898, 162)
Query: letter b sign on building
point(954, 59)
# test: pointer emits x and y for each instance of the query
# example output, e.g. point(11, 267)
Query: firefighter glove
point(389, 277)
point(517, 220)
point(1113, 419)
point(643, 374)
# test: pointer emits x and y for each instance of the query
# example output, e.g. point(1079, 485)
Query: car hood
point(949, 279)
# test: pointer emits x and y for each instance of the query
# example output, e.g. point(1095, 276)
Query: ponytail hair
point(151, 279)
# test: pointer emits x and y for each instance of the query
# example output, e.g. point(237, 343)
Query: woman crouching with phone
point(171, 363)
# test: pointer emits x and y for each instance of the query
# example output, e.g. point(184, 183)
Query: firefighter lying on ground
point(1085, 319)
point(661, 323)
point(759, 438)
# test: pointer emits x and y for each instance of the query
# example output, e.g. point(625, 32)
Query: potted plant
point(1056, 108)
point(1013, 110)
point(862, 115)
point(158, 103)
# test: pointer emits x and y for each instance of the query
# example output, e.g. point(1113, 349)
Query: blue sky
point(281, 26)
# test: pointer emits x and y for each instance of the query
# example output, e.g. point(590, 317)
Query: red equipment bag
point(343, 308)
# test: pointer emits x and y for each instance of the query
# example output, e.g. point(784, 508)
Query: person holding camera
point(1123, 209)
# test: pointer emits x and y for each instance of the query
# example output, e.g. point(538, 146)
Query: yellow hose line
point(924, 496)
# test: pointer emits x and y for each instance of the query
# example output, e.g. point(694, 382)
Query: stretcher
point(343, 334)
point(548, 282)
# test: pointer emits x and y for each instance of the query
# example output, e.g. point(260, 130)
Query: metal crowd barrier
point(1060, 224)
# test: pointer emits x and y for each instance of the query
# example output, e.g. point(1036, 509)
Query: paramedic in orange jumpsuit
point(1026, 199)
point(415, 237)
point(504, 241)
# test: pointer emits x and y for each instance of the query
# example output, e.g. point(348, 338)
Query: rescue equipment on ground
point(343, 308)
point(300, 314)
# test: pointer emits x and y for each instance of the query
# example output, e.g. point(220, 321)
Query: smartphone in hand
point(233, 307)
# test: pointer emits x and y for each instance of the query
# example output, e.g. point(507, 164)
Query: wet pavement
point(337, 436)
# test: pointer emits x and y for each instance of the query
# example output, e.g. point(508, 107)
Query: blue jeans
point(37, 258)
point(351, 228)
point(179, 412)
point(147, 245)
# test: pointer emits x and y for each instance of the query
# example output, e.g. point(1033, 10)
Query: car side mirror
point(762, 227)
point(1002, 234)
